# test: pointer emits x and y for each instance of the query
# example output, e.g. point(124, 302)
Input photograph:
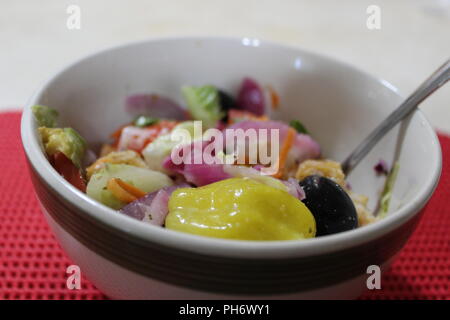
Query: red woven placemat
point(33, 266)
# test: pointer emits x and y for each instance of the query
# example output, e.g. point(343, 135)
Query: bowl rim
point(216, 246)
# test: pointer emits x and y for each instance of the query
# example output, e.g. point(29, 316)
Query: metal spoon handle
point(436, 80)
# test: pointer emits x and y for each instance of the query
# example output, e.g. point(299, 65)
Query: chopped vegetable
point(241, 209)
point(66, 140)
point(143, 179)
point(203, 104)
point(297, 125)
point(129, 157)
point(251, 97)
point(294, 188)
point(116, 135)
point(274, 98)
point(381, 168)
point(155, 106)
point(144, 121)
point(199, 174)
point(203, 174)
point(45, 116)
point(241, 115)
point(152, 208)
point(247, 172)
point(156, 151)
point(386, 195)
point(65, 167)
point(123, 191)
point(135, 138)
point(309, 147)
point(303, 146)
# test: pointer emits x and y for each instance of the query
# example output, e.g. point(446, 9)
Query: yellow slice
point(242, 209)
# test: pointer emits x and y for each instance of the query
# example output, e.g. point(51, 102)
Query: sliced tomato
point(135, 138)
point(235, 115)
point(65, 167)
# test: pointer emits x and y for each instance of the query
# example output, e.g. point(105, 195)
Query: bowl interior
point(337, 103)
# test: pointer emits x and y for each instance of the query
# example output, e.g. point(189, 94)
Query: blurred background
point(413, 39)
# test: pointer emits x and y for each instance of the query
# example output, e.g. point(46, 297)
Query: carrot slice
point(235, 115)
point(138, 193)
point(287, 144)
point(274, 97)
point(123, 191)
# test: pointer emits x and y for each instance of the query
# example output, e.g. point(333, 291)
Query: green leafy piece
point(144, 179)
point(386, 195)
point(65, 140)
point(144, 121)
point(203, 104)
point(45, 116)
point(298, 126)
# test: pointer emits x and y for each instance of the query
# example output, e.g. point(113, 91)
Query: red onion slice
point(251, 97)
point(152, 208)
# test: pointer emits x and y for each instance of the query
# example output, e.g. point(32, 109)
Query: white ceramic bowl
point(339, 104)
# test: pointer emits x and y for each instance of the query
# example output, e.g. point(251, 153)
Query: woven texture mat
point(33, 266)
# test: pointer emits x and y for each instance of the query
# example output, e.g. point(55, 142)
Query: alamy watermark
point(374, 280)
point(73, 21)
point(373, 21)
point(73, 281)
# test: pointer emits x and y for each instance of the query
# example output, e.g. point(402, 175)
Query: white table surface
point(414, 38)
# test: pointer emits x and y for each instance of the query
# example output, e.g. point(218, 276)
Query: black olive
point(227, 102)
point(330, 205)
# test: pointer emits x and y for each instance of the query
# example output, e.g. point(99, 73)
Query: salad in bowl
point(218, 167)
